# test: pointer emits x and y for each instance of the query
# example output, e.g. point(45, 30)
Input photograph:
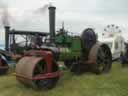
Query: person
point(33, 43)
point(36, 41)
point(39, 40)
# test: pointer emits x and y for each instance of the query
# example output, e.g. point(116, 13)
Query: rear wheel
point(104, 60)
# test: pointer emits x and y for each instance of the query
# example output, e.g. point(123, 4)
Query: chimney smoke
point(5, 17)
point(43, 9)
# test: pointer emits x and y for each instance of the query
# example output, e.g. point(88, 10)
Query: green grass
point(113, 84)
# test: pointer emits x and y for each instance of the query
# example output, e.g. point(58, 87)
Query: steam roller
point(88, 54)
point(3, 65)
point(38, 69)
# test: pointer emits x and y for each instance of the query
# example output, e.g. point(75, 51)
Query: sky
point(76, 14)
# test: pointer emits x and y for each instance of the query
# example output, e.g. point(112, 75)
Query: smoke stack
point(7, 29)
point(52, 22)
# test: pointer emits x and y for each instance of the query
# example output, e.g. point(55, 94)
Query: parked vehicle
point(115, 42)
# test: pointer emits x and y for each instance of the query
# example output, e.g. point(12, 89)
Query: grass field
point(113, 84)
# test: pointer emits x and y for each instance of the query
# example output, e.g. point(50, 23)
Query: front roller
point(38, 72)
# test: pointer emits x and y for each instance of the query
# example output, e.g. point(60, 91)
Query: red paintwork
point(47, 56)
point(47, 75)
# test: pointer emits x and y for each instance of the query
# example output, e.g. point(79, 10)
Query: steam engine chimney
point(52, 22)
point(7, 29)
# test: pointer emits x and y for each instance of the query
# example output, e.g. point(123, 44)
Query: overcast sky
point(77, 14)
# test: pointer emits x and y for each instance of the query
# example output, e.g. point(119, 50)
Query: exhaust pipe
point(7, 29)
point(52, 23)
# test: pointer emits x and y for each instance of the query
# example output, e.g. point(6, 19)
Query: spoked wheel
point(48, 83)
point(104, 60)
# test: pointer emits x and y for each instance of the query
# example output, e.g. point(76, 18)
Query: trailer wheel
point(104, 60)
